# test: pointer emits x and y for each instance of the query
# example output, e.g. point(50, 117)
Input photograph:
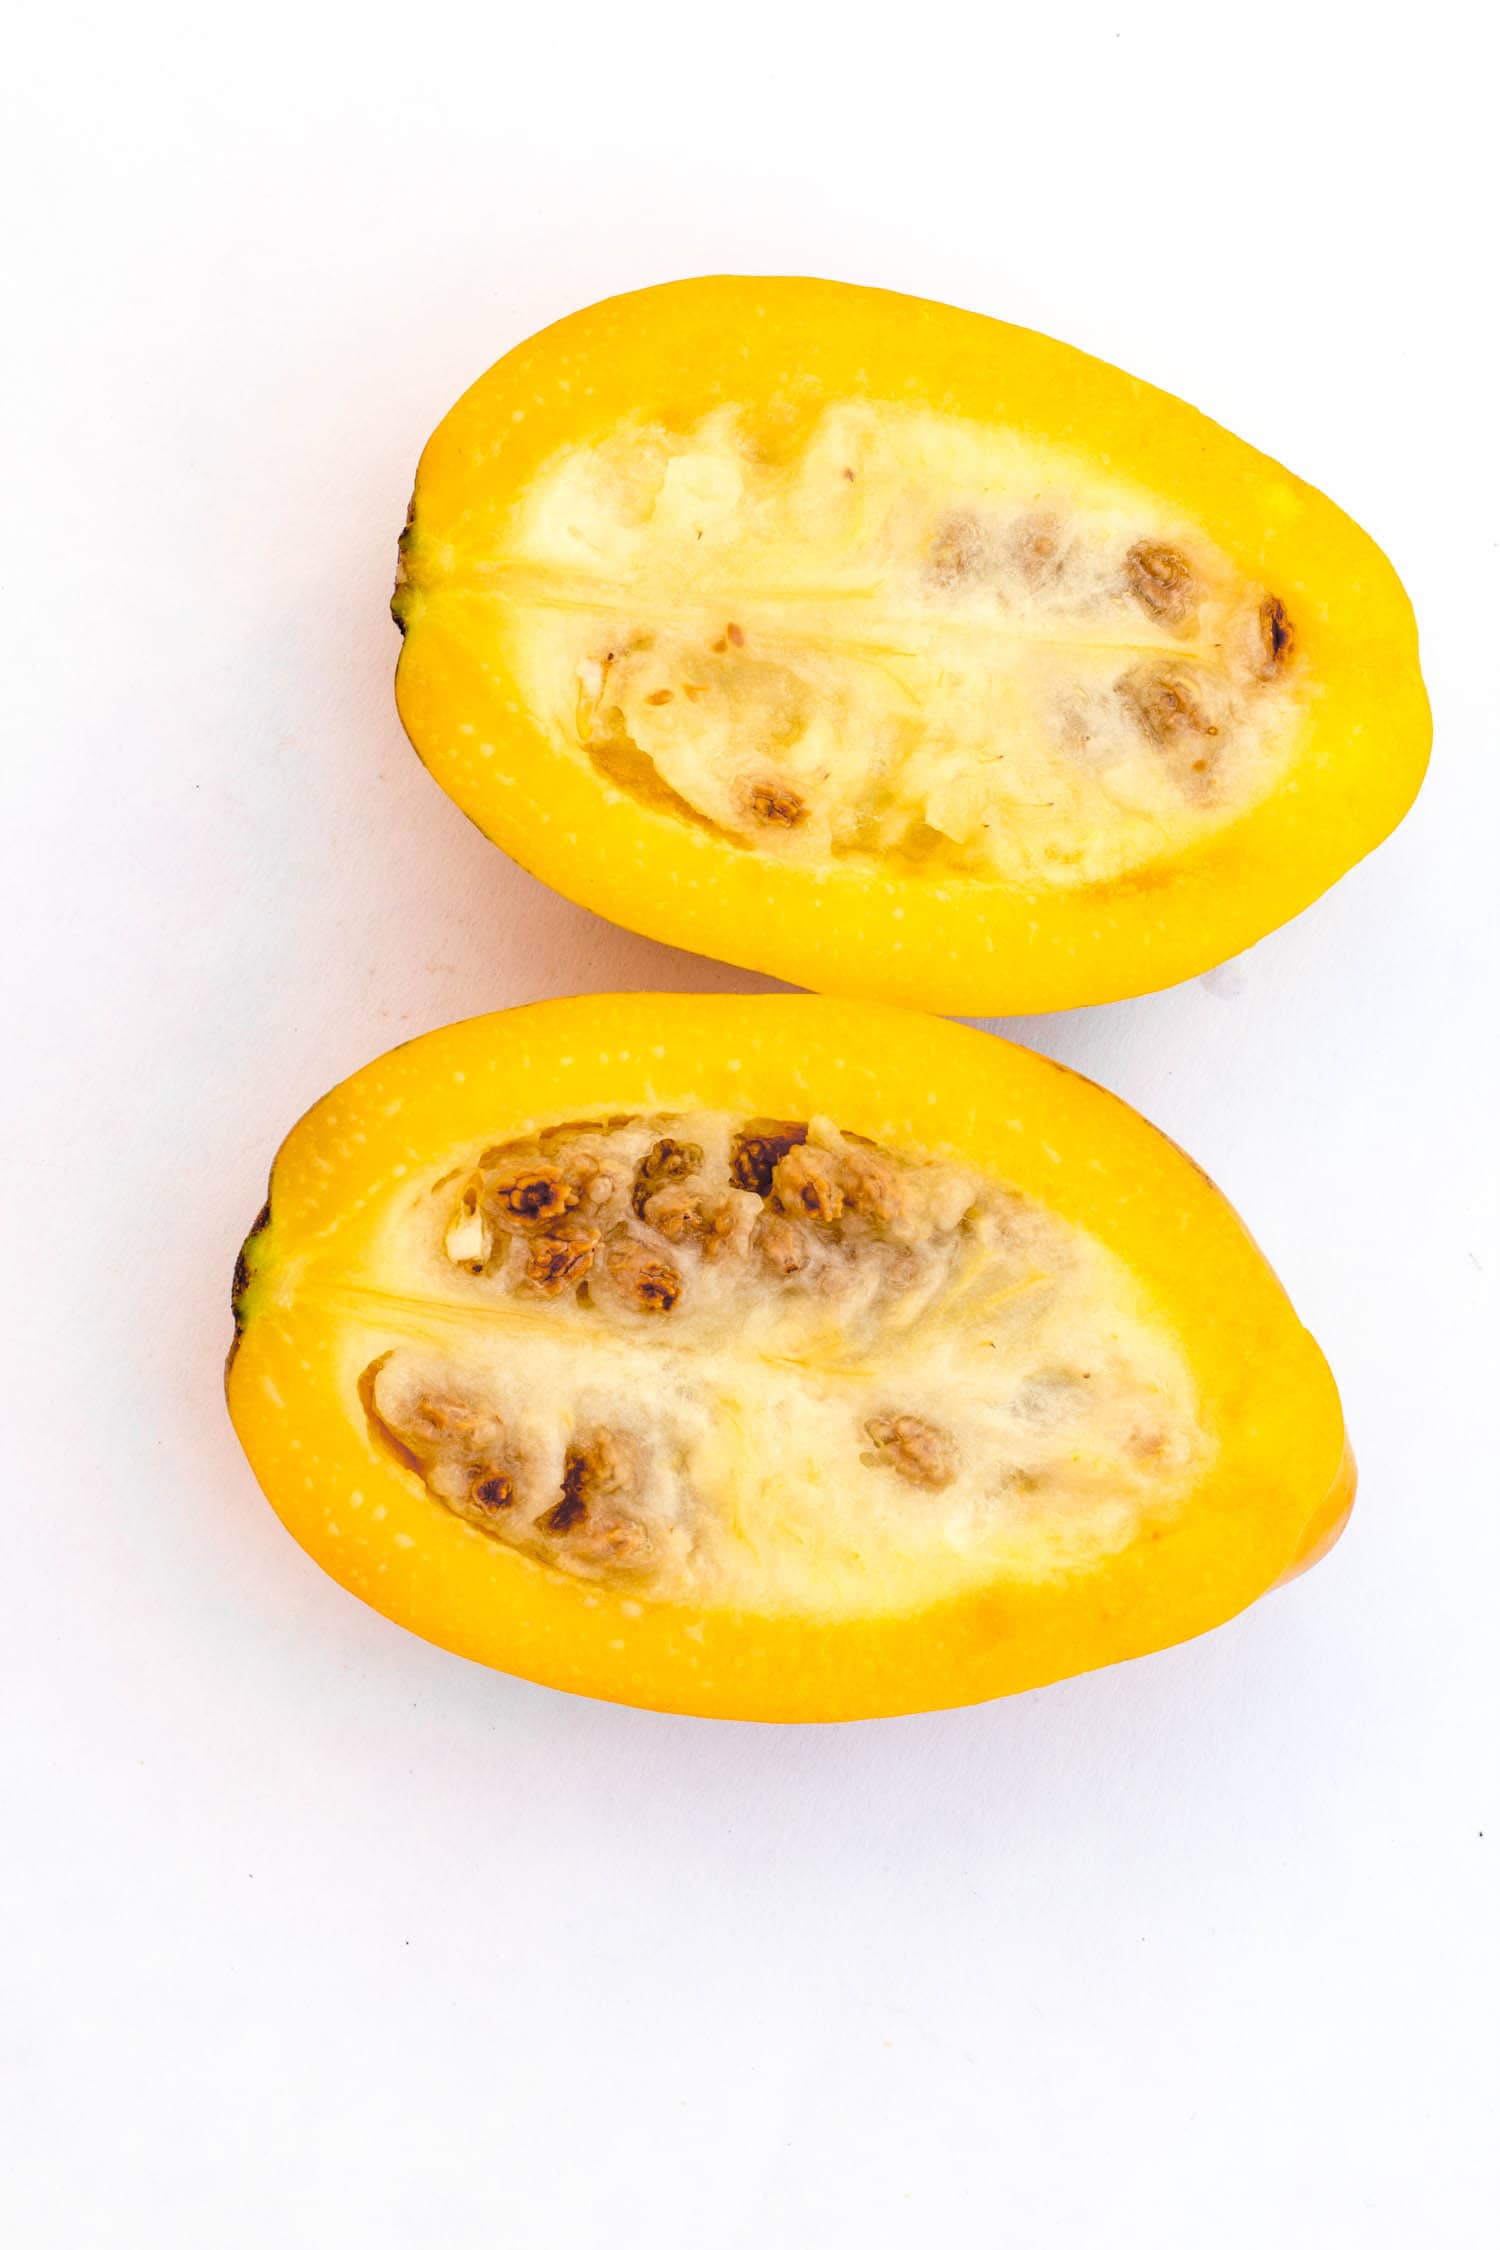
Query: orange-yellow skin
point(1274, 1497)
point(959, 946)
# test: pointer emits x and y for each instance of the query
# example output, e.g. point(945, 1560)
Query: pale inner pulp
point(876, 630)
point(764, 1364)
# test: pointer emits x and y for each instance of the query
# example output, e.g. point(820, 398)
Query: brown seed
point(919, 1452)
point(958, 552)
point(532, 1193)
point(556, 1262)
point(600, 1467)
point(782, 1245)
point(736, 635)
point(445, 1419)
point(874, 1186)
point(1035, 549)
point(774, 805)
point(806, 1181)
point(601, 1476)
point(665, 1160)
point(662, 695)
point(1161, 581)
point(759, 1149)
point(1277, 637)
point(1165, 703)
point(680, 1213)
point(493, 1491)
point(569, 1511)
point(649, 1282)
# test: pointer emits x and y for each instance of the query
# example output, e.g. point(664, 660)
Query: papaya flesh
point(771, 1358)
point(895, 651)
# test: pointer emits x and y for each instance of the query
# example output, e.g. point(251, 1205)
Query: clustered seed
point(638, 1219)
point(595, 1523)
point(621, 1217)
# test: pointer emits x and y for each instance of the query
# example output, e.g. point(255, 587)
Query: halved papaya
point(895, 651)
point(774, 1358)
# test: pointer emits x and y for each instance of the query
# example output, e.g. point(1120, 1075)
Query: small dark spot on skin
point(1277, 638)
point(757, 1152)
point(241, 1280)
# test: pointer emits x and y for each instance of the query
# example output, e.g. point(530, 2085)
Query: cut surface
point(780, 1358)
point(898, 636)
point(896, 651)
point(757, 1363)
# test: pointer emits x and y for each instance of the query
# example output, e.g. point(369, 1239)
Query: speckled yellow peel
point(319, 1302)
point(896, 651)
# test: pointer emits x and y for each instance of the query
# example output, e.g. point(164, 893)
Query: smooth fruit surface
point(896, 651)
point(771, 1358)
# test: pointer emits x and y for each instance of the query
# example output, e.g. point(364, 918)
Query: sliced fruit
point(776, 1358)
point(896, 651)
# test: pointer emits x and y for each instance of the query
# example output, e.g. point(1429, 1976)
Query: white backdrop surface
point(317, 1935)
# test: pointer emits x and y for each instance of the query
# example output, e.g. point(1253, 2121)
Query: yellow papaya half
point(772, 1358)
point(895, 651)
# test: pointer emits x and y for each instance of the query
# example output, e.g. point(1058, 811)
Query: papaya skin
point(876, 924)
point(1272, 1495)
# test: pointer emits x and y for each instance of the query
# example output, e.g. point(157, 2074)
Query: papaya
point(894, 651)
point(777, 1357)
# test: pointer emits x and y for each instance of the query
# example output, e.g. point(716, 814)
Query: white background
point(317, 1936)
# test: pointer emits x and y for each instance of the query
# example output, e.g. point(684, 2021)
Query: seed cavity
point(917, 647)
